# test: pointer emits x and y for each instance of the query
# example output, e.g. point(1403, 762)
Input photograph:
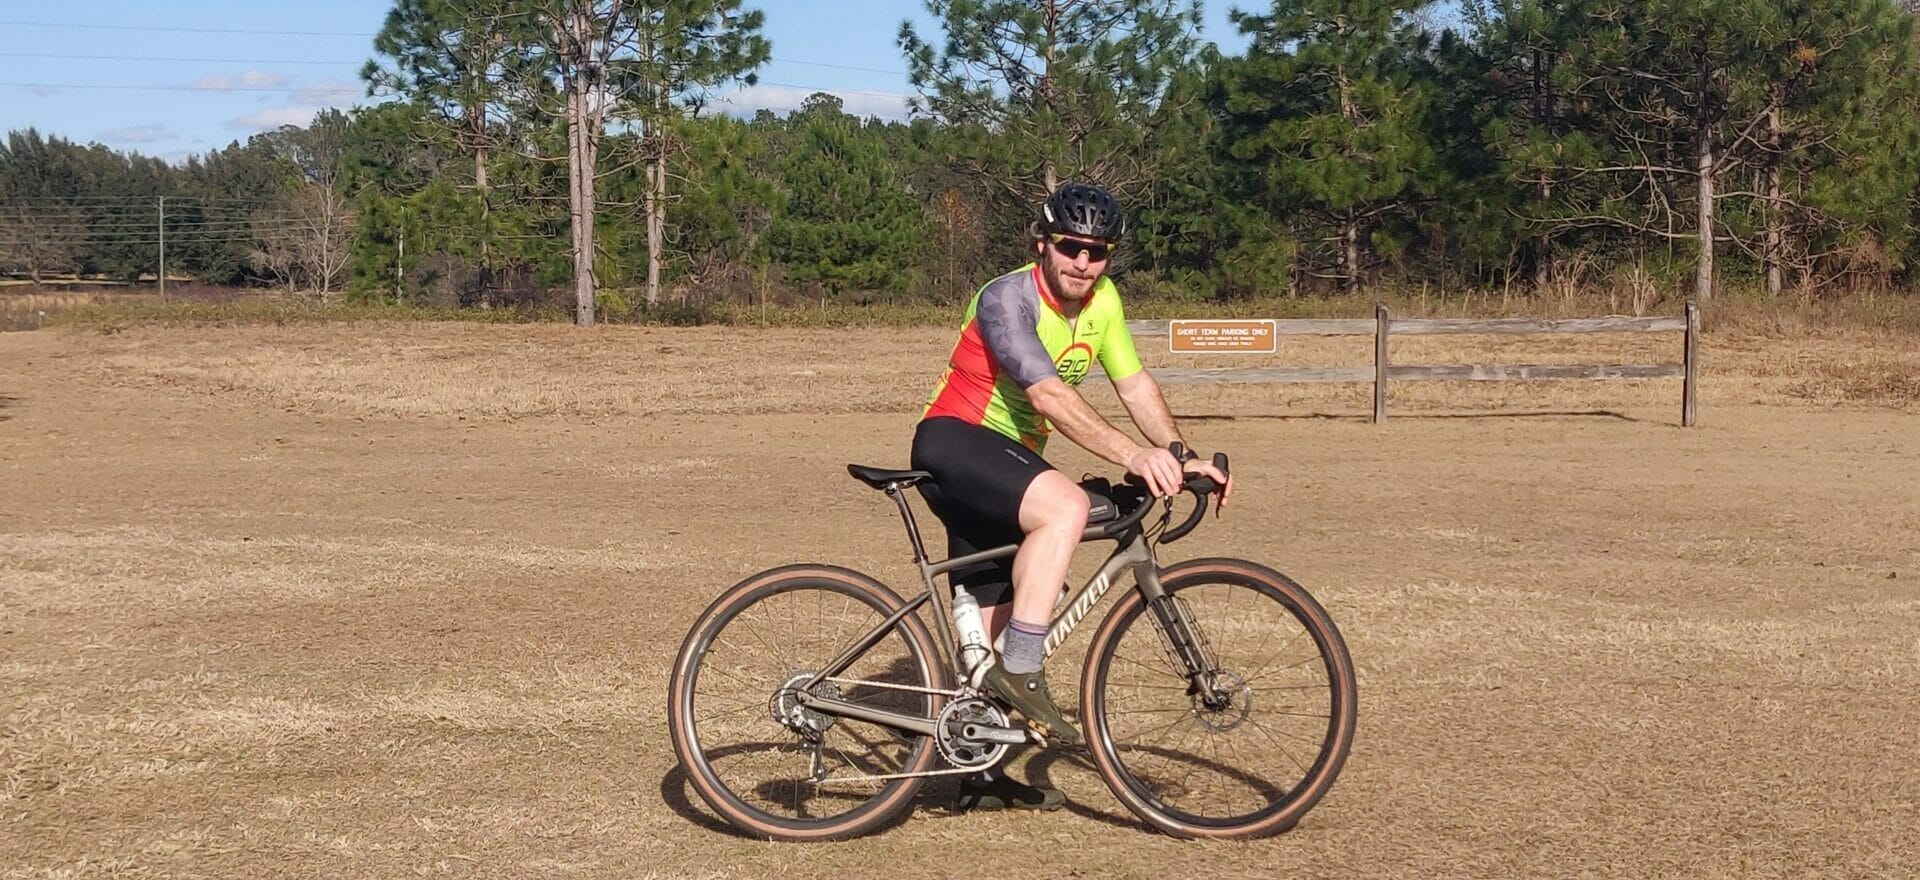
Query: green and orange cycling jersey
point(1015, 335)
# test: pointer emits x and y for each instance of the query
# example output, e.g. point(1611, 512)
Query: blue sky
point(169, 78)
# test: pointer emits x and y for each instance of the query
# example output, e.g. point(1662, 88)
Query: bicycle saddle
point(880, 478)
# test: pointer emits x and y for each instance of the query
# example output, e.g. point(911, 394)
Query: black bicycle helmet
point(1083, 209)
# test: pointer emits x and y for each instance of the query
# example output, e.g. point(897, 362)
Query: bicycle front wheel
point(772, 766)
point(1246, 744)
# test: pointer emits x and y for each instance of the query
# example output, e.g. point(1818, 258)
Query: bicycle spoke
point(1284, 749)
point(1235, 755)
point(723, 713)
point(1182, 709)
point(1265, 670)
point(766, 644)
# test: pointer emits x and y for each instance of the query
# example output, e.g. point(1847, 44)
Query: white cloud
point(328, 93)
point(179, 157)
point(274, 117)
point(154, 133)
point(786, 99)
point(306, 101)
point(252, 79)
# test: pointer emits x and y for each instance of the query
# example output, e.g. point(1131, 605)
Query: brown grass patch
point(383, 599)
point(1877, 378)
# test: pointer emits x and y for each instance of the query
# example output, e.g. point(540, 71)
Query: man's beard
point(1058, 279)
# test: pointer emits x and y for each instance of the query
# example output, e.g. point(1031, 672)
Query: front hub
point(1221, 700)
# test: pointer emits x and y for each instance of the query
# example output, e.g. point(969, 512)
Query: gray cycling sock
point(1026, 647)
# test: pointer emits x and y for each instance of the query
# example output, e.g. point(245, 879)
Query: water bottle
point(971, 630)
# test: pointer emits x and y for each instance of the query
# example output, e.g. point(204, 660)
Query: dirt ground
point(380, 600)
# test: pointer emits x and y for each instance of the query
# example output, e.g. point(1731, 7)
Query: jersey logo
point(1074, 363)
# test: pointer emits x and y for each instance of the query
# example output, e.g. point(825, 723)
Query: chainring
point(958, 749)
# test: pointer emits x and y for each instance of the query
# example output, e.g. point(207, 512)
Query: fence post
point(1380, 322)
point(1690, 388)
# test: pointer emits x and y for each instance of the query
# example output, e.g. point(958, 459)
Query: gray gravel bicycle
point(811, 702)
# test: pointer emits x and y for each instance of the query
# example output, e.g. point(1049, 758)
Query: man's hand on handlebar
point(1159, 470)
point(1220, 478)
point(1167, 472)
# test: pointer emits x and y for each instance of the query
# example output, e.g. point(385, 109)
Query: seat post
point(913, 530)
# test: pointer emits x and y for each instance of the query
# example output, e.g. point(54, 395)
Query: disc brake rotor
point(1225, 703)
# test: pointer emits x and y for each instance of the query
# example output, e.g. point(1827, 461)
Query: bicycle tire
point(1124, 766)
point(916, 662)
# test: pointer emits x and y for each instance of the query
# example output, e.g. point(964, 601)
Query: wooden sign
point(1220, 337)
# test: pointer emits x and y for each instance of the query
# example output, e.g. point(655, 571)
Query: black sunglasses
point(1072, 248)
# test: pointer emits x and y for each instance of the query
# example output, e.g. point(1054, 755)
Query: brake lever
point(1220, 497)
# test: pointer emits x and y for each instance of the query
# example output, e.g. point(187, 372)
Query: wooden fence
point(1383, 326)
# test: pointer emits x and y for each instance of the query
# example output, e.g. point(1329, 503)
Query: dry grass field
point(387, 600)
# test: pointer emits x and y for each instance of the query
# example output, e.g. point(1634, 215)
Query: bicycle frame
point(1133, 552)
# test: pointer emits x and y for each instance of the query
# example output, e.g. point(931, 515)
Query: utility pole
point(163, 247)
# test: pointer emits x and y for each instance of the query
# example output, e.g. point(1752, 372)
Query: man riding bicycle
point(1029, 337)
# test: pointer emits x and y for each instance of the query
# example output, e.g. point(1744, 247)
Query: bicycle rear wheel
point(1248, 746)
point(771, 766)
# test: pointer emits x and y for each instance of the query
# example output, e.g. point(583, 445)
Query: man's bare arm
point(1074, 417)
point(1148, 408)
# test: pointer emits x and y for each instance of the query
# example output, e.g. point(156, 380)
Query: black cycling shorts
point(980, 476)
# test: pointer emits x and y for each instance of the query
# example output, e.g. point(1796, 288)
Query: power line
point(182, 30)
point(165, 58)
point(171, 240)
point(60, 56)
point(355, 91)
point(839, 66)
point(125, 200)
point(768, 82)
point(183, 228)
point(109, 210)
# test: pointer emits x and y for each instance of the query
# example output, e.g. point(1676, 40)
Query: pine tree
point(448, 58)
point(844, 220)
point(1326, 123)
point(1710, 121)
point(1041, 91)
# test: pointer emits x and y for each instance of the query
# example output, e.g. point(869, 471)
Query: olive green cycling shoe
point(1027, 693)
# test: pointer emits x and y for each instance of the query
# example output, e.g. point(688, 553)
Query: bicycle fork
point(1185, 643)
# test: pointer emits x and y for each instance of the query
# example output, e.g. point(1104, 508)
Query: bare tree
point(307, 241)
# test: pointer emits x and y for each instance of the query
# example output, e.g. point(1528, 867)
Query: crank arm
point(990, 733)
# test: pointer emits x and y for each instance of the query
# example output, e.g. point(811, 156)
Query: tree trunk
point(1775, 238)
point(1350, 255)
point(1543, 117)
point(326, 244)
point(580, 179)
point(656, 222)
point(1051, 16)
point(656, 183)
point(486, 226)
point(1703, 270)
point(1349, 226)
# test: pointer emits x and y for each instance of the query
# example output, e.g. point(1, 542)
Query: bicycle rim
point(1252, 750)
point(758, 758)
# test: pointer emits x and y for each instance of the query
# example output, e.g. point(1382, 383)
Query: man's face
point(1073, 264)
